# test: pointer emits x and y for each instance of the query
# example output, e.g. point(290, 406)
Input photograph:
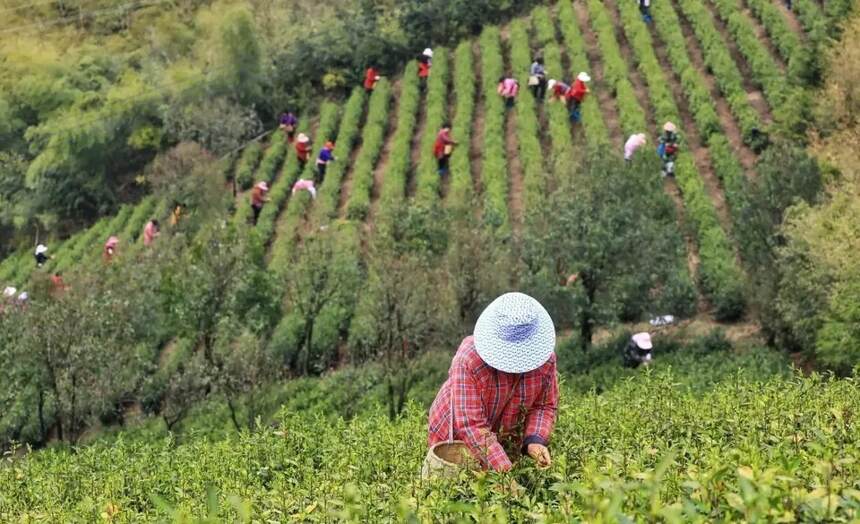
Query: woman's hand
point(541, 455)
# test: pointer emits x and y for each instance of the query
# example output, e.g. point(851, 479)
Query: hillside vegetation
point(281, 369)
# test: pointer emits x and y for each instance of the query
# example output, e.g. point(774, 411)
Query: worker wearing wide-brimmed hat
point(303, 150)
point(502, 386)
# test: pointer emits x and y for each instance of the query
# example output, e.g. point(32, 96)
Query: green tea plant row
point(494, 168)
point(141, 214)
point(9, 267)
point(287, 226)
point(460, 188)
point(247, 164)
point(747, 449)
point(528, 126)
point(700, 102)
point(328, 193)
point(630, 112)
point(822, 21)
point(787, 42)
point(399, 160)
point(720, 277)
point(596, 132)
point(764, 70)
point(720, 62)
point(436, 113)
point(273, 157)
point(557, 116)
point(372, 140)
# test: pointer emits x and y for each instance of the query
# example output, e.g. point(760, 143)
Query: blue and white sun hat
point(515, 334)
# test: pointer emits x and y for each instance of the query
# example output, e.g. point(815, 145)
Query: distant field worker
point(303, 150)
point(425, 62)
point(41, 255)
point(371, 76)
point(537, 79)
point(176, 214)
point(638, 351)
point(305, 184)
point(576, 95)
point(557, 90)
point(110, 248)
point(258, 199)
point(645, 10)
point(501, 396)
point(508, 89)
point(58, 286)
point(288, 123)
point(443, 147)
point(326, 155)
point(150, 232)
point(668, 148)
point(633, 143)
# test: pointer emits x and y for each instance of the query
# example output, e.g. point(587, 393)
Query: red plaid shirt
point(480, 417)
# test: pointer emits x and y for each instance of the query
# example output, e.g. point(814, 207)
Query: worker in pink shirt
point(508, 89)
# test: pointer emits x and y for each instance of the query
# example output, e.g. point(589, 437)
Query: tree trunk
point(42, 436)
point(586, 328)
point(309, 335)
point(233, 415)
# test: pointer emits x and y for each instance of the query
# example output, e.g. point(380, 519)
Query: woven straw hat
point(263, 185)
point(41, 248)
point(515, 334)
point(643, 340)
point(669, 126)
point(583, 77)
point(9, 291)
point(303, 138)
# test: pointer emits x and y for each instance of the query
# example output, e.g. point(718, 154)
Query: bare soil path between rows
point(754, 93)
point(599, 86)
point(476, 154)
point(791, 19)
point(516, 184)
point(421, 123)
point(384, 156)
point(346, 183)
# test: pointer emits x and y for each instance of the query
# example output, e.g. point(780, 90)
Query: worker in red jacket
point(371, 76)
point(303, 150)
point(576, 95)
point(443, 147)
point(424, 63)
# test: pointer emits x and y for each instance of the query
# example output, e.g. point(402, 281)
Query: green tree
point(609, 226)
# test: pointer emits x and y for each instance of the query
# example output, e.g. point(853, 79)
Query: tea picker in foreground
point(502, 388)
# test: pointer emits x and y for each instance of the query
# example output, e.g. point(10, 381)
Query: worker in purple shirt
point(288, 123)
point(326, 155)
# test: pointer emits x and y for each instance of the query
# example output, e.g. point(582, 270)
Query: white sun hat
point(583, 76)
point(23, 296)
point(41, 248)
point(643, 340)
point(515, 334)
point(303, 138)
point(428, 53)
point(9, 292)
point(551, 84)
point(263, 185)
point(669, 126)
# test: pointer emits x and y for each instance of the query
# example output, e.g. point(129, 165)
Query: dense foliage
point(749, 444)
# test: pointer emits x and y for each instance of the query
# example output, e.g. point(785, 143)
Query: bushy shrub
point(247, 164)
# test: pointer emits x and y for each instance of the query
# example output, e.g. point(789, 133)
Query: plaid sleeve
point(471, 424)
point(541, 418)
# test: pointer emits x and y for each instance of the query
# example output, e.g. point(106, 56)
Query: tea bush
point(494, 169)
point(461, 187)
point(436, 113)
point(372, 139)
point(657, 444)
